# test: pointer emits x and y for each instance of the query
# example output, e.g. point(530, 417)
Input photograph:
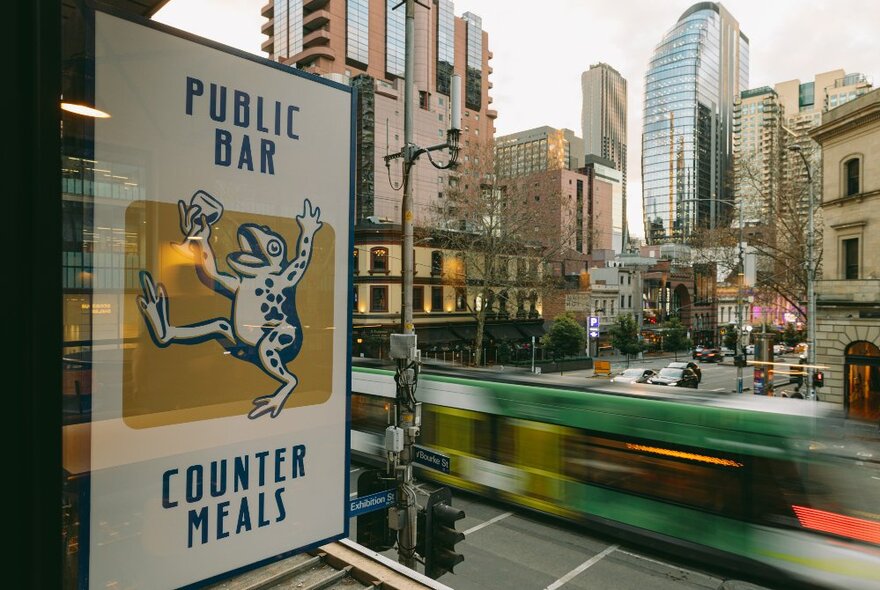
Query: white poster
point(222, 253)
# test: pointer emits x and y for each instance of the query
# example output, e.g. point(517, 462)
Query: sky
point(540, 54)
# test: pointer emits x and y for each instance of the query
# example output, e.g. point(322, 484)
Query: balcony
point(315, 38)
point(492, 113)
point(316, 20)
point(268, 9)
point(310, 5)
point(268, 27)
point(268, 45)
point(309, 55)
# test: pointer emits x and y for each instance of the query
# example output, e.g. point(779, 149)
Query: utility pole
point(401, 437)
point(811, 280)
point(741, 352)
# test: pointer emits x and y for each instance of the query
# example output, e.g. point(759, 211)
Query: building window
point(379, 260)
point(436, 263)
point(418, 299)
point(460, 300)
point(354, 261)
point(436, 299)
point(354, 299)
point(379, 299)
point(851, 172)
point(850, 249)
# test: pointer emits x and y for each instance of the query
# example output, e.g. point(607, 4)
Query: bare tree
point(775, 218)
point(504, 234)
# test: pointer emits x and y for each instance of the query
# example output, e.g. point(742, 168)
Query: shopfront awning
point(434, 335)
point(532, 329)
point(506, 331)
point(466, 332)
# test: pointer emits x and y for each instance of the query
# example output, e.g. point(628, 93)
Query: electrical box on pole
point(437, 536)
point(372, 528)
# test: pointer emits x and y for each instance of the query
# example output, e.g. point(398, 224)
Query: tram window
point(369, 414)
point(523, 443)
point(648, 469)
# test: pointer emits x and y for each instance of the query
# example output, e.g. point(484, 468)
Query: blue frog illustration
point(263, 328)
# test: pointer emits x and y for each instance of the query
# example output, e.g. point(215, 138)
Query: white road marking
point(487, 523)
point(719, 389)
point(570, 575)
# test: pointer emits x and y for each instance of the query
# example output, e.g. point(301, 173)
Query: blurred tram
point(768, 484)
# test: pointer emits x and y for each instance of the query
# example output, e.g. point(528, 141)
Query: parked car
point(675, 377)
point(710, 355)
point(727, 351)
point(688, 365)
point(634, 375)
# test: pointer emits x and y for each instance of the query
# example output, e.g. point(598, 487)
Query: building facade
point(848, 294)
point(537, 150)
point(603, 121)
point(694, 76)
point(362, 43)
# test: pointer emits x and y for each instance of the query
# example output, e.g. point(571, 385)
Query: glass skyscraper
point(694, 76)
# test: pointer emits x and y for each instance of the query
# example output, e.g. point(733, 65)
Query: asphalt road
point(507, 549)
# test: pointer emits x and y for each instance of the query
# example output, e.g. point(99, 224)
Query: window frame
point(846, 180)
point(374, 289)
point(374, 255)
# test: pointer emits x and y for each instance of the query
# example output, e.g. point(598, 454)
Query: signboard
point(371, 503)
point(594, 333)
point(430, 458)
point(222, 220)
point(593, 322)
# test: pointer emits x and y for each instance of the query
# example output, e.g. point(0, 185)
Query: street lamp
point(407, 418)
point(811, 279)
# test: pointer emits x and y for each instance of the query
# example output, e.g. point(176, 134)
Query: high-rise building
point(362, 42)
point(603, 120)
point(695, 74)
point(536, 150)
point(759, 146)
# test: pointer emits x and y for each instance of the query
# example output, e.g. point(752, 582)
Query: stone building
point(848, 294)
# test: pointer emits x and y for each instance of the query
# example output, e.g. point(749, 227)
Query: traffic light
point(797, 374)
point(818, 379)
point(372, 528)
point(436, 535)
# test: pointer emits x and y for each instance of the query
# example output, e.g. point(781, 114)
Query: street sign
point(371, 503)
point(594, 322)
point(594, 333)
point(430, 458)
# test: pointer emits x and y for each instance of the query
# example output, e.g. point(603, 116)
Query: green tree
point(566, 336)
point(792, 336)
point(675, 336)
point(730, 337)
point(625, 336)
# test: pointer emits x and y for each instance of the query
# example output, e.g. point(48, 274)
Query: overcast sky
point(539, 54)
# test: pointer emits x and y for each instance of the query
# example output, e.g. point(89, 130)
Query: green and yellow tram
point(768, 483)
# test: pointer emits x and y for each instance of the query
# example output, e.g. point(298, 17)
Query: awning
point(465, 331)
point(529, 330)
point(506, 331)
point(436, 335)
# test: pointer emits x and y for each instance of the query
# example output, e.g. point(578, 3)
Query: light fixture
point(84, 110)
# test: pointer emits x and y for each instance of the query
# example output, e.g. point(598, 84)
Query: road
point(507, 549)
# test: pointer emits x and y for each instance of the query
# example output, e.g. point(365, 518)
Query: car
point(675, 377)
point(727, 351)
point(634, 375)
point(710, 355)
point(688, 365)
point(696, 352)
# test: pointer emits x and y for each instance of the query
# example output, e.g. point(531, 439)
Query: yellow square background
point(188, 382)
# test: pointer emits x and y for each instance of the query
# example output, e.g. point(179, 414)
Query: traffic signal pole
point(401, 436)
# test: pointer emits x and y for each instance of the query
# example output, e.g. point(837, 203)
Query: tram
point(767, 484)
